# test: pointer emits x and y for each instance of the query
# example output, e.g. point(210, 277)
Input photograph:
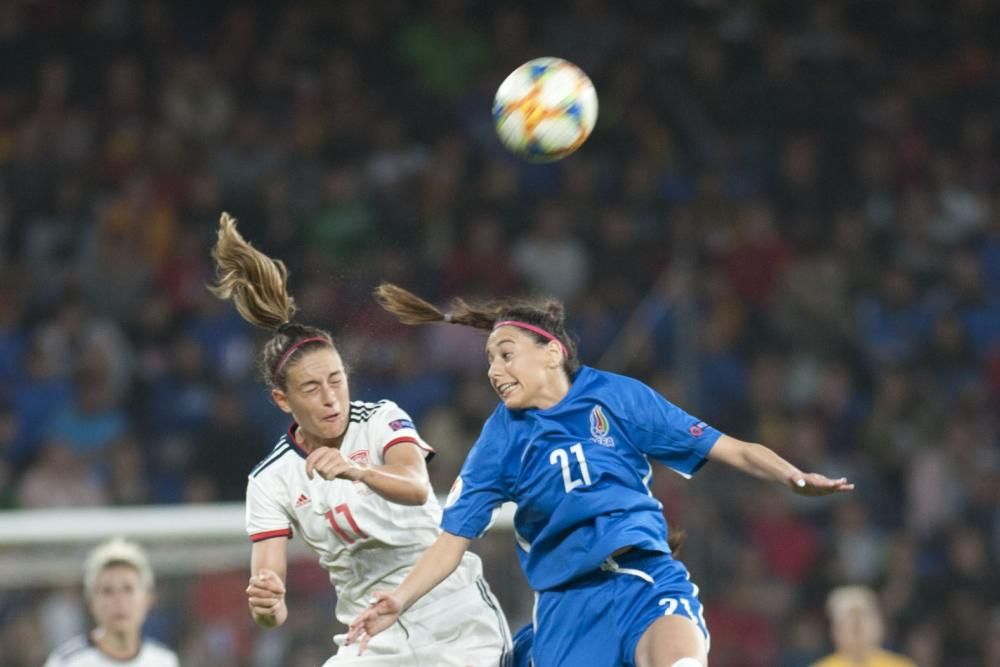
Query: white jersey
point(364, 541)
point(82, 652)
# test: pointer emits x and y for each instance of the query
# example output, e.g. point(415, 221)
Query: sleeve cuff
point(268, 534)
point(428, 452)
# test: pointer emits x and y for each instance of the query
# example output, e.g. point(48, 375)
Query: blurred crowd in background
point(786, 220)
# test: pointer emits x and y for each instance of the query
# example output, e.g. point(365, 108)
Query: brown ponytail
point(411, 309)
point(255, 283)
point(258, 287)
point(546, 314)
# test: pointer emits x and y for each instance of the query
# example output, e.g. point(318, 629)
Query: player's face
point(523, 373)
point(317, 395)
point(856, 630)
point(119, 602)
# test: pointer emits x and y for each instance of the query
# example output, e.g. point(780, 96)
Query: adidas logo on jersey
point(302, 501)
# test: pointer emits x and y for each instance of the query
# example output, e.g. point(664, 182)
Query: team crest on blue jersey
point(599, 428)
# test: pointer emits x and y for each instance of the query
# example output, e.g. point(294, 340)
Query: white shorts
point(464, 629)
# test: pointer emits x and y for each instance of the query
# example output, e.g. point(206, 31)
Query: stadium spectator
point(857, 631)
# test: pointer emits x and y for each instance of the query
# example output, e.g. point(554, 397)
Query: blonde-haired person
point(118, 585)
point(351, 479)
point(856, 628)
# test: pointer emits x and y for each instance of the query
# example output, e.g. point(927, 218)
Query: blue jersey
point(579, 473)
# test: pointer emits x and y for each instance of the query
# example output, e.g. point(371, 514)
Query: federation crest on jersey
point(360, 457)
point(600, 427)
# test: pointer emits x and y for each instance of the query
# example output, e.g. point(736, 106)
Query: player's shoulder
point(607, 378)
point(881, 659)
point(890, 659)
point(81, 651)
point(611, 389)
point(158, 654)
point(503, 432)
point(366, 412)
point(832, 660)
point(70, 650)
point(281, 451)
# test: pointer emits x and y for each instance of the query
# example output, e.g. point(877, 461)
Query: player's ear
point(281, 400)
point(553, 354)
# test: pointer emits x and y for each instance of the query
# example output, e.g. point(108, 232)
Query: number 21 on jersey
point(561, 458)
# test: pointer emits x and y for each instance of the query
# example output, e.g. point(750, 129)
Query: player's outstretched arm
point(440, 560)
point(266, 590)
point(759, 461)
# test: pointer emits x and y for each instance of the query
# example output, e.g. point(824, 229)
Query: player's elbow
point(418, 493)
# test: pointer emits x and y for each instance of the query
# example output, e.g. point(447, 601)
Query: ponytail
point(548, 315)
point(258, 287)
point(411, 309)
point(255, 283)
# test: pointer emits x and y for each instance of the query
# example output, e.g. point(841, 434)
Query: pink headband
point(531, 327)
point(288, 353)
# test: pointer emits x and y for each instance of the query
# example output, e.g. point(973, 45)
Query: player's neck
point(553, 392)
point(858, 654)
point(310, 443)
point(117, 645)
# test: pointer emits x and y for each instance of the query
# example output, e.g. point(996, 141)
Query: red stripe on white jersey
point(268, 534)
point(406, 438)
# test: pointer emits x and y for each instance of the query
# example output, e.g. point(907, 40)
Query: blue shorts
point(598, 620)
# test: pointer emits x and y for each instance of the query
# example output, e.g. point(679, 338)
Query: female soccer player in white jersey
point(118, 585)
point(351, 479)
point(571, 446)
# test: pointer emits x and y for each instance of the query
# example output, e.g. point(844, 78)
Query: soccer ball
point(545, 109)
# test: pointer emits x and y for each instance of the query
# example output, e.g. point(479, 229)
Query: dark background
point(786, 220)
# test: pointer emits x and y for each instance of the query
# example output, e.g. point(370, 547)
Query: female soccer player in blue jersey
point(571, 445)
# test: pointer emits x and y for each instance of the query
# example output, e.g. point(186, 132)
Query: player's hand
point(383, 612)
point(329, 463)
point(814, 484)
point(266, 595)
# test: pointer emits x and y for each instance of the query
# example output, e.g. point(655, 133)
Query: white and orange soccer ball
point(545, 109)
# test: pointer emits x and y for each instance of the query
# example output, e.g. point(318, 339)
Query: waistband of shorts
point(633, 555)
point(623, 564)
